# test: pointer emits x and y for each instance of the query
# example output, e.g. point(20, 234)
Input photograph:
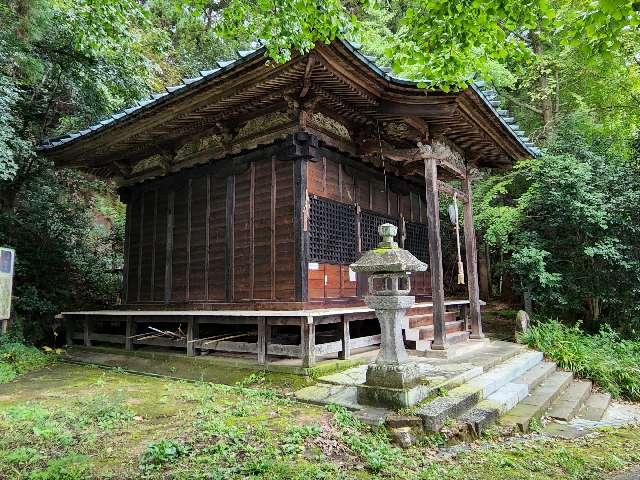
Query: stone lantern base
point(392, 386)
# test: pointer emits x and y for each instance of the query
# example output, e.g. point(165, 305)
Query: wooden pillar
point(229, 250)
point(262, 341)
point(86, 323)
point(308, 342)
point(192, 334)
point(345, 353)
point(435, 253)
point(69, 326)
point(130, 331)
point(472, 262)
point(301, 232)
point(168, 255)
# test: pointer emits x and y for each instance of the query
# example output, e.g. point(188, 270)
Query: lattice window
point(332, 232)
point(369, 228)
point(417, 240)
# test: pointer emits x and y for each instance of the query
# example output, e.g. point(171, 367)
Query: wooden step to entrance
point(420, 310)
point(453, 338)
point(424, 320)
point(426, 333)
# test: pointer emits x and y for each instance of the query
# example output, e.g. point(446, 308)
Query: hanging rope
point(455, 220)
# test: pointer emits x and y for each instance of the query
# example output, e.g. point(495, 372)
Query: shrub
point(605, 358)
point(17, 358)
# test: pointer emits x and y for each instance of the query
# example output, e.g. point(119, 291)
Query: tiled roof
point(489, 97)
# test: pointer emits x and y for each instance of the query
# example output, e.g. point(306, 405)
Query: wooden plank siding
point(328, 178)
point(178, 234)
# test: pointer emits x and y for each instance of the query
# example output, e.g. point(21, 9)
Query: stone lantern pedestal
point(392, 381)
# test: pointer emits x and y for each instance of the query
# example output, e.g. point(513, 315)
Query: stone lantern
point(391, 380)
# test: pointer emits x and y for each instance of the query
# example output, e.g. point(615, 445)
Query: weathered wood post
point(308, 342)
point(435, 252)
point(192, 335)
point(472, 261)
point(86, 323)
point(130, 331)
point(69, 326)
point(345, 353)
point(262, 341)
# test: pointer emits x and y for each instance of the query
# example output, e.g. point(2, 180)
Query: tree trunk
point(546, 104)
point(484, 277)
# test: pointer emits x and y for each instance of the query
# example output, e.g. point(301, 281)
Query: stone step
point(426, 333)
point(568, 404)
point(460, 399)
point(595, 406)
point(536, 404)
point(425, 319)
point(505, 398)
point(493, 354)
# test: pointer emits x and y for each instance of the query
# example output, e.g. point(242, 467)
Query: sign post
point(7, 262)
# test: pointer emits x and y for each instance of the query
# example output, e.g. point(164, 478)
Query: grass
point(71, 422)
point(609, 361)
point(17, 359)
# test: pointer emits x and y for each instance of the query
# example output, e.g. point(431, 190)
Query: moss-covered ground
point(71, 422)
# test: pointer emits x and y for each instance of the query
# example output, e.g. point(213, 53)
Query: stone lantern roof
point(388, 257)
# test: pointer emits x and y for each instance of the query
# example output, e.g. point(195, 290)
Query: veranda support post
point(435, 252)
point(472, 261)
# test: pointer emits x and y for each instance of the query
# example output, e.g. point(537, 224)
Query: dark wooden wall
point(204, 236)
point(340, 181)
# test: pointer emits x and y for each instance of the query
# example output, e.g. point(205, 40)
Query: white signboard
point(7, 262)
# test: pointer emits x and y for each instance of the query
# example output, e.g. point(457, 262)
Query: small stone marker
point(522, 321)
point(391, 381)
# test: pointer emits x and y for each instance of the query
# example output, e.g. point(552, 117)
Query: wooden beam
point(472, 263)
point(420, 125)
point(446, 188)
point(435, 253)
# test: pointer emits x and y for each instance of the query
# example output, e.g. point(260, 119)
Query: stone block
point(435, 413)
point(394, 398)
point(402, 376)
point(399, 421)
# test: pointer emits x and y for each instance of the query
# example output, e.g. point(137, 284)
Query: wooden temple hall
point(251, 188)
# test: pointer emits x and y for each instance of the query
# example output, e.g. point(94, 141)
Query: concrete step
point(505, 398)
point(569, 403)
point(595, 406)
point(425, 319)
point(534, 406)
point(460, 399)
point(426, 333)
